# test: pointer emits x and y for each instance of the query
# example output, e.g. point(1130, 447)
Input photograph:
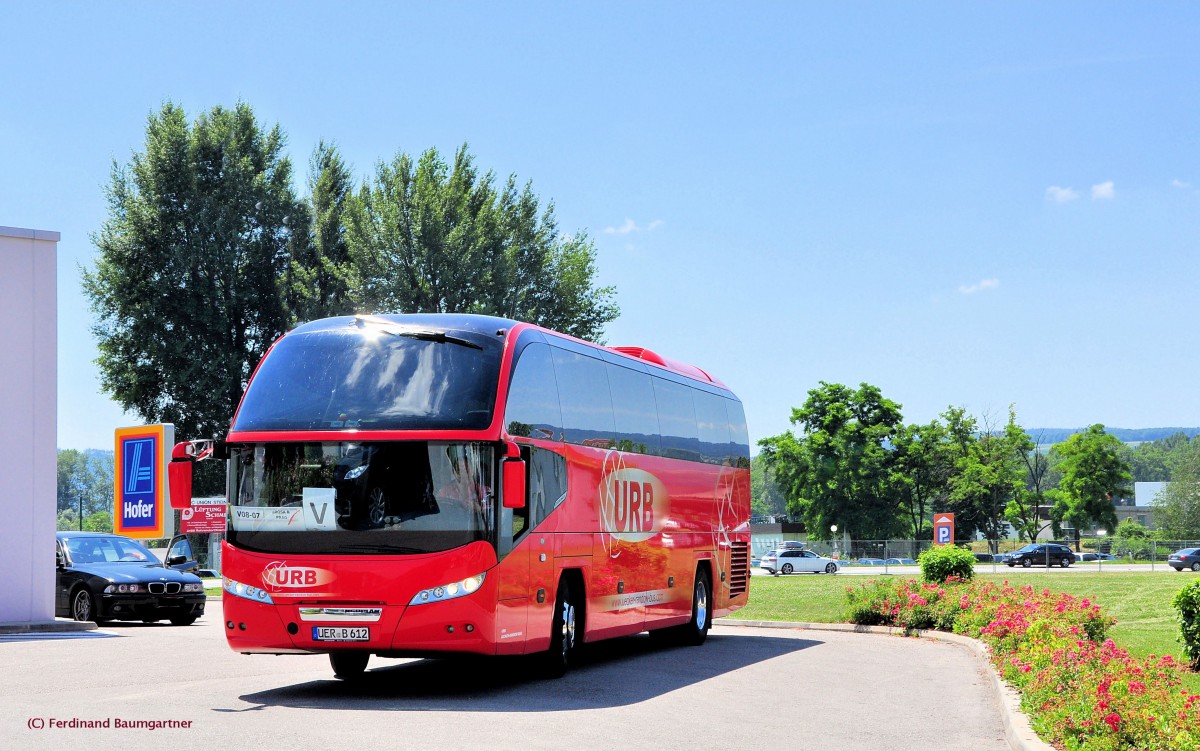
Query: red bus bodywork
point(631, 536)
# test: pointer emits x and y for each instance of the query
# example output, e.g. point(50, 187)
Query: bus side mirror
point(513, 471)
point(179, 476)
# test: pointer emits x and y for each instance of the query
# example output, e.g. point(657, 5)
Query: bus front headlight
point(448, 591)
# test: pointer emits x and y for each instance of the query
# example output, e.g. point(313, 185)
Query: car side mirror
point(59, 560)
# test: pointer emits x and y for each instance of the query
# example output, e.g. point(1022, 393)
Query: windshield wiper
point(437, 336)
point(426, 336)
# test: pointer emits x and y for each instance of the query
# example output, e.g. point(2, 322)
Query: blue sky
point(964, 204)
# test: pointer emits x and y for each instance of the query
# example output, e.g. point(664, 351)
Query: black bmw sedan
point(104, 577)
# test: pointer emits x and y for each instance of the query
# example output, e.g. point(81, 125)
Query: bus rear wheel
point(349, 665)
point(562, 633)
point(695, 631)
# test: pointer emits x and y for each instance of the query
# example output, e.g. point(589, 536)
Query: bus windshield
point(374, 378)
point(361, 498)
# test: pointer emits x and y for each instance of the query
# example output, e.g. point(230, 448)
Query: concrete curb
point(56, 626)
point(1017, 730)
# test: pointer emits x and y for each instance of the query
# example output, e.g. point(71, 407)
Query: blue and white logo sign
point(137, 498)
point(141, 507)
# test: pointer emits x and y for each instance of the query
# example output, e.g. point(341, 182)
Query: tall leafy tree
point(427, 236)
point(321, 271)
point(1027, 511)
point(1093, 473)
point(988, 475)
point(838, 471)
point(922, 464)
point(766, 498)
point(1177, 507)
point(187, 285)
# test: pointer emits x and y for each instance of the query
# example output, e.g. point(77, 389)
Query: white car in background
point(794, 561)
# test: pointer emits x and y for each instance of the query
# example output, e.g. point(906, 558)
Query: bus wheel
point(349, 665)
point(562, 633)
point(694, 632)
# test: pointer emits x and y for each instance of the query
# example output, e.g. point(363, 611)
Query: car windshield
point(1029, 549)
point(373, 378)
point(361, 497)
point(107, 550)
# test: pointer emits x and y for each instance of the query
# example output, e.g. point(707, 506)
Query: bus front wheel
point(349, 665)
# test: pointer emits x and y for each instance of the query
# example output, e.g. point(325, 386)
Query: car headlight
point(247, 592)
point(124, 589)
point(357, 472)
point(194, 587)
point(448, 591)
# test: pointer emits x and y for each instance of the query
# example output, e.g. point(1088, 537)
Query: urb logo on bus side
point(633, 502)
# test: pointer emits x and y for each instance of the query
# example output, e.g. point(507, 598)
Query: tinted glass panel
point(374, 379)
point(583, 392)
point(361, 498)
point(634, 410)
point(713, 424)
point(738, 434)
point(533, 409)
point(677, 416)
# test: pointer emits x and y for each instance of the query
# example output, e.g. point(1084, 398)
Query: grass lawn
point(1141, 603)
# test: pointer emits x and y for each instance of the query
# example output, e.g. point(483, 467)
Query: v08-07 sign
point(142, 502)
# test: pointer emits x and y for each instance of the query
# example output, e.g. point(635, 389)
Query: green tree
point(766, 498)
point(923, 461)
point(427, 237)
point(320, 273)
point(1177, 507)
point(85, 482)
point(1093, 473)
point(1027, 511)
point(188, 288)
point(839, 470)
point(988, 476)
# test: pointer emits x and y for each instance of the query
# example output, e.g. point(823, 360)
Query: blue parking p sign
point(943, 529)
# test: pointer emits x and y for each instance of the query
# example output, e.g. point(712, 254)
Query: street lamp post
point(1099, 555)
point(832, 533)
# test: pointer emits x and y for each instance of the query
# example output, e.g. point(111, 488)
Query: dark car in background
point(1042, 554)
point(1185, 558)
point(103, 577)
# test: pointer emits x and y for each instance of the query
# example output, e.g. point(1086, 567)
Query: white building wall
point(28, 423)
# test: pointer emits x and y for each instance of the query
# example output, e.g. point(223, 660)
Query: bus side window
point(545, 484)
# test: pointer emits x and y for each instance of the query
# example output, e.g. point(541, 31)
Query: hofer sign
point(142, 500)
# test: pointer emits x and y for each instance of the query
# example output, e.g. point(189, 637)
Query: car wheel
point(1026, 562)
point(349, 665)
point(831, 568)
point(1065, 562)
point(376, 506)
point(1010, 564)
point(83, 605)
point(562, 633)
point(1196, 566)
point(787, 568)
point(1177, 568)
point(182, 620)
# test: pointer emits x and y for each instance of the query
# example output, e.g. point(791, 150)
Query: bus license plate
point(341, 633)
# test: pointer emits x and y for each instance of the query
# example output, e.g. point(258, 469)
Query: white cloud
point(631, 226)
point(1104, 191)
point(1060, 195)
point(1180, 184)
point(980, 286)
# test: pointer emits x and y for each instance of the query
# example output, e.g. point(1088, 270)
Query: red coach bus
point(429, 484)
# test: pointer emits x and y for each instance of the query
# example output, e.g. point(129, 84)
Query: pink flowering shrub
point(1082, 691)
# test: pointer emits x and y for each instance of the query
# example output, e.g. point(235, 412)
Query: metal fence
point(1090, 550)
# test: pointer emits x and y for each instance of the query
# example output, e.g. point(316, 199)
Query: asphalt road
point(745, 688)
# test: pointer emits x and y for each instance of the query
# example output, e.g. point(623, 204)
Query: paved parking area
point(745, 688)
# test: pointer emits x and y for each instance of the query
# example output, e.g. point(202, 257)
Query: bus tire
point(562, 633)
point(349, 665)
point(695, 631)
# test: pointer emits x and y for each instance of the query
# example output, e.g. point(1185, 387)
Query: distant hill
point(1046, 436)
